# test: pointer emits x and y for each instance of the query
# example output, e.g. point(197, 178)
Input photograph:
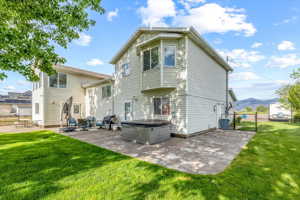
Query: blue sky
point(260, 38)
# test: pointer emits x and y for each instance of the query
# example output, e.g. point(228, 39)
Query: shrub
point(238, 119)
point(297, 117)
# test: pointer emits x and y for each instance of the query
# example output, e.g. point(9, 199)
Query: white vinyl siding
point(206, 81)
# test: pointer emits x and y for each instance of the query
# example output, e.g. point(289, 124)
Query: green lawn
point(45, 165)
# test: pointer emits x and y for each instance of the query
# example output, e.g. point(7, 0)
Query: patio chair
point(83, 124)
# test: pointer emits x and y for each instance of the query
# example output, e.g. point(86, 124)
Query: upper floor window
point(106, 91)
point(161, 106)
point(125, 69)
point(58, 80)
point(169, 56)
point(150, 58)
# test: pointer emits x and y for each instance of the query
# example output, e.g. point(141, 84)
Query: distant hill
point(253, 103)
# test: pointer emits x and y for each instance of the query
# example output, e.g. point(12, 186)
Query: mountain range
point(253, 103)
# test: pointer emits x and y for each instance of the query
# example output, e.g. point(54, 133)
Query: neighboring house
point(278, 112)
point(160, 73)
point(51, 92)
point(15, 103)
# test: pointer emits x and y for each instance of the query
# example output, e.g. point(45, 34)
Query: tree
point(30, 30)
point(283, 94)
point(248, 109)
point(261, 109)
point(294, 97)
point(296, 74)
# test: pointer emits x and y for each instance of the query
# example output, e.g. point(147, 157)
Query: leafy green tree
point(31, 29)
point(283, 94)
point(294, 97)
point(248, 109)
point(296, 75)
point(261, 109)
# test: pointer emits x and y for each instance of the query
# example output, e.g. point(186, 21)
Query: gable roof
point(189, 31)
point(77, 71)
point(97, 83)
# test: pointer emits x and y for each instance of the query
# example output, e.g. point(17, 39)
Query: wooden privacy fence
point(15, 120)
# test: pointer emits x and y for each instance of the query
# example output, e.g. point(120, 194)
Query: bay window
point(150, 58)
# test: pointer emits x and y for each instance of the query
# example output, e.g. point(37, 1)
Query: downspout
point(227, 91)
point(113, 98)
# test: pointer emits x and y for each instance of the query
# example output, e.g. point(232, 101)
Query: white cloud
point(84, 39)
point(288, 60)
point(256, 45)
point(287, 21)
point(155, 12)
point(244, 76)
point(190, 3)
point(218, 41)
point(9, 88)
point(263, 85)
point(112, 14)
point(241, 57)
point(286, 45)
point(22, 82)
point(94, 62)
point(212, 17)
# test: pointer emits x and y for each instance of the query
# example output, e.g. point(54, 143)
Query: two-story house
point(162, 73)
point(51, 92)
point(165, 73)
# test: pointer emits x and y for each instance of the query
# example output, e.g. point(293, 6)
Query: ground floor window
point(76, 108)
point(127, 110)
point(161, 106)
point(37, 108)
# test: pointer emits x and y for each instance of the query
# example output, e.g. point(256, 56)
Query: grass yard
point(46, 165)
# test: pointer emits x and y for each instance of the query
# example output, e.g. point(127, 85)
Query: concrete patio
point(208, 153)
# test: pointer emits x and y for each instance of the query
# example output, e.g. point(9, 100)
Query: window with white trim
point(58, 80)
point(76, 108)
point(125, 69)
point(150, 58)
point(169, 56)
point(162, 106)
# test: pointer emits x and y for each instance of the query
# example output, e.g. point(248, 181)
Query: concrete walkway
point(208, 153)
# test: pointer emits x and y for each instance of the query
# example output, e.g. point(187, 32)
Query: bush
point(297, 117)
point(238, 120)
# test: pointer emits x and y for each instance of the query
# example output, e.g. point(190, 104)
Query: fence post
point(256, 121)
point(234, 121)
